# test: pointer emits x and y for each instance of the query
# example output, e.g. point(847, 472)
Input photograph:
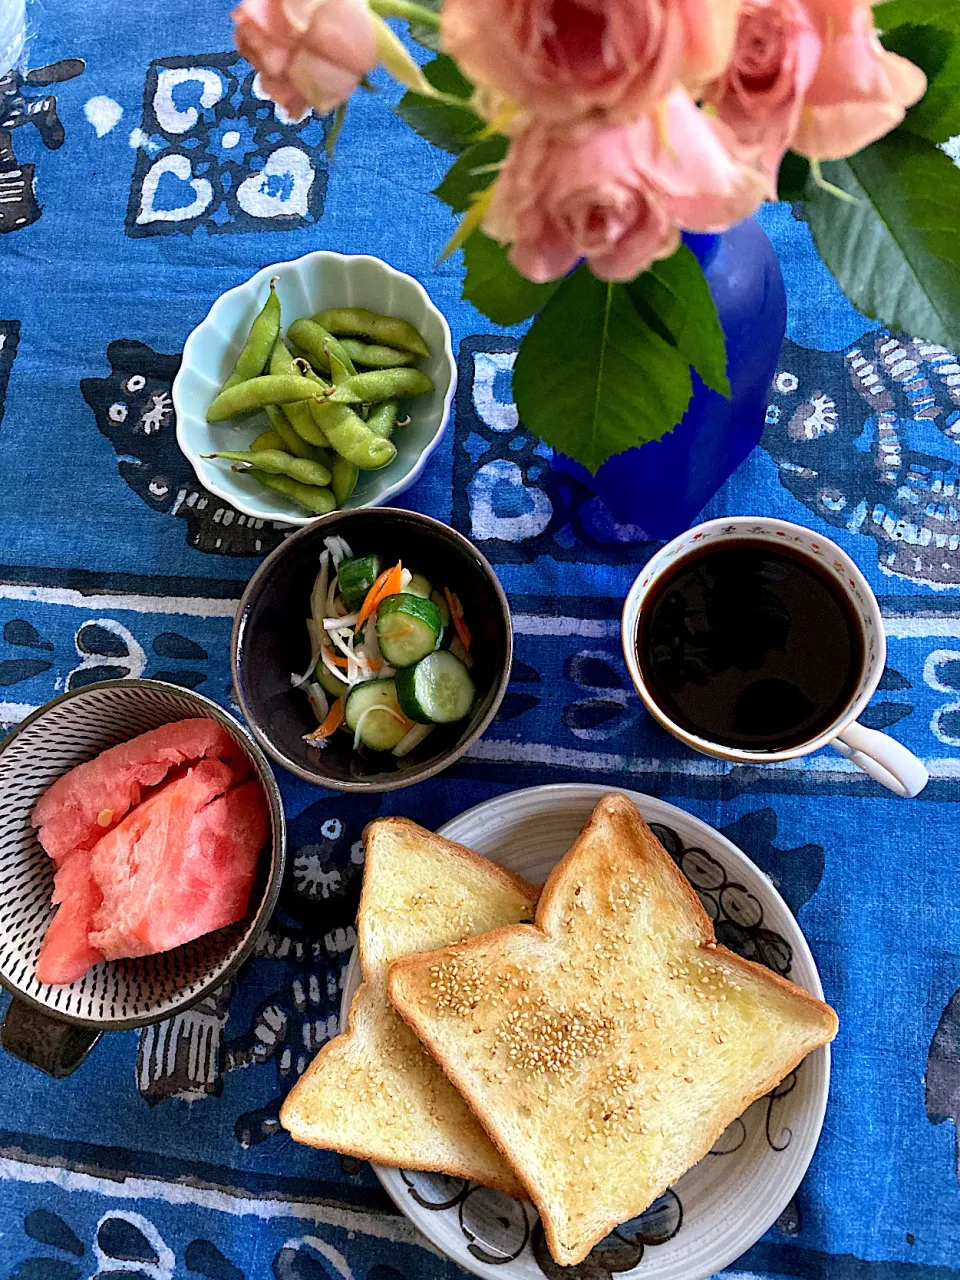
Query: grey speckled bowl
point(270, 642)
point(54, 1027)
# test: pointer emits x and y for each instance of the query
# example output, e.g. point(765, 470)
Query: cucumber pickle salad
point(389, 653)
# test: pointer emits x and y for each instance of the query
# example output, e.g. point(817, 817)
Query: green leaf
point(792, 179)
point(592, 378)
point(495, 287)
point(895, 252)
point(937, 53)
point(462, 182)
point(897, 13)
point(428, 36)
point(447, 126)
point(444, 74)
point(673, 297)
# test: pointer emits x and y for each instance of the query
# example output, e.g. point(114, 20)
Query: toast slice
point(374, 1092)
point(606, 1047)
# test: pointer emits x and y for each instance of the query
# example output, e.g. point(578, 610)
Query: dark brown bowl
point(270, 642)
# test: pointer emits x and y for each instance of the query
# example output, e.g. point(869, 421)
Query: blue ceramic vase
point(662, 486)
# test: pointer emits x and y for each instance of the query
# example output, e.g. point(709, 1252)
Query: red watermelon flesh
point(74, 813)
point(181, 864)
point(66, 953)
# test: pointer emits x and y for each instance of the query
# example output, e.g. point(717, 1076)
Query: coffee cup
point(672, 652)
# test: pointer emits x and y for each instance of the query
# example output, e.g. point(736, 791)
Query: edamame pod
point(257, 392)
point(359, 322)
point(292, 442)
point(252, 360)
point(269, 440)
point(353, 439)
point(298, 415)
point(382, 384)
point(376, 357)
point(383, 418)
point(314, 405)
point(278, 463)
point(317, 501)
point(338, 370)
point(345, 476)
point(314, 339)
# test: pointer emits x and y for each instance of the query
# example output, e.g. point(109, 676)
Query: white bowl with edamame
point(306, 285)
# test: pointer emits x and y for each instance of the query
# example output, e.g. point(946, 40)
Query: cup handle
point(45, 1042)
point(886, 760)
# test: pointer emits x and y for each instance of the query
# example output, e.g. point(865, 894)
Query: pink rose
point(761, 93)
point(560, 198)
point(860, 91)
point(310, 53)
point(563, 59)
point(615, 194)
point(705, 178)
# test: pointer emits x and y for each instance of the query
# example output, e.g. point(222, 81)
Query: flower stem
point(830, 187)
point(397, 60)
point(406, 9)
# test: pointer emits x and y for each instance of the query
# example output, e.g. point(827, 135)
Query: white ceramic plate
point(306, 285)
point(725, 1203)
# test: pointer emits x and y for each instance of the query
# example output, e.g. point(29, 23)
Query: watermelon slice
point(92, 798)
point(66, 953)
point(181, 865)
point(178, 862)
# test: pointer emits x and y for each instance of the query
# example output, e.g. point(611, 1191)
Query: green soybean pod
point(361, 323)
point(315, 407)
point(278, 463)
point(383, 418)
point(382, 384)
point(269, 440)
point(376, 357)
point(298, 415)
point(252, 360)
point(353, 439)
point(317, 501)
point(338, 370)
point(315, 340)
point(345, 476)
point(292, 443)
point(257, 392)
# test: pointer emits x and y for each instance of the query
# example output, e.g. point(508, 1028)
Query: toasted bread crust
point(404, 1112)
point(385, 827)
point(615, 822)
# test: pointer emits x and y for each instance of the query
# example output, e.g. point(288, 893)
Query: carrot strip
point(456, 613)
point(388, 584)
point(408, 723)
point(330, 725)
point(337, 659)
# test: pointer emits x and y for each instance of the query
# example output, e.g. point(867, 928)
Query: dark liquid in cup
point(750, 645)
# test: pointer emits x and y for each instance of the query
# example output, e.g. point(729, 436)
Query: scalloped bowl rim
point(263, 276)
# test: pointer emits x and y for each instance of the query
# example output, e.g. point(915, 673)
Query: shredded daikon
point(331, 603)
point(369, 711)
point(406, 577)
point(330, 664)
point(339, 550)
point(346, 623)
point(413, 739)
point(318, 700)
point(313, 631)
point(318, 595)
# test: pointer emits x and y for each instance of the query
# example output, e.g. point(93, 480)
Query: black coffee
point(750, 646)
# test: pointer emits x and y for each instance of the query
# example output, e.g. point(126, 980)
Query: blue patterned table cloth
point(141, 175)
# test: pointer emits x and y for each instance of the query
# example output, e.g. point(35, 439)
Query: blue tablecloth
point(140, 177)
